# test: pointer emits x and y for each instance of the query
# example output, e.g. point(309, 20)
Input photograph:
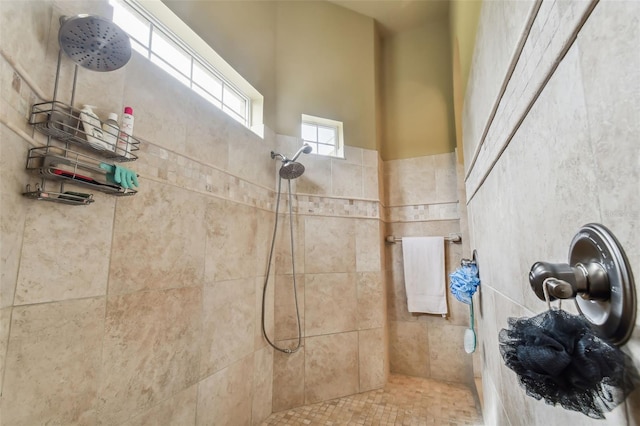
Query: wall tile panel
point(53, 363)
point(228, 321)
point(223, 397)
point(331, 366)
point(151, 350)
point(569, 163)
point(331, 302)
point(166, 225)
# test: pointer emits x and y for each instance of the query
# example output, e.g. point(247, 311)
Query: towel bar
point(452, 238)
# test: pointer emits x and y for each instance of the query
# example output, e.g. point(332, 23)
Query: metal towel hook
point(472, 261)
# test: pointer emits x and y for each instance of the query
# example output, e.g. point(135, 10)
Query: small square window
point(309, 132)
point(324, 135)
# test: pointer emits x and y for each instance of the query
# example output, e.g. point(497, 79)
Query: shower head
point(94, 42)
point(306, 148)
point(291, 170)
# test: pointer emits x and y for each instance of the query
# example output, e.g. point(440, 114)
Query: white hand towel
point(424, 276)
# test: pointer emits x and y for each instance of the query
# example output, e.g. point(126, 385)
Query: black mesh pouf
point(558, 357)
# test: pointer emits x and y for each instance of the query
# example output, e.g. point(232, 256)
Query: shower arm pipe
point(452, 238)
point(278, 155)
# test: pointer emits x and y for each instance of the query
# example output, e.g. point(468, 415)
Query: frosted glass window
point(139, 48)
point(170, 53)
point(207, 81)
point(233, 101)
point(232, 113)
point(135, 25)
point(323, 135)
point(309, 132)
point(328, 150)
point(153, 40)
point(327, 135)
point(207, 96)
point(169, 69)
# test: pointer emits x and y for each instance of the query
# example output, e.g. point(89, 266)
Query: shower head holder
point(600, 279)
point(277, 155)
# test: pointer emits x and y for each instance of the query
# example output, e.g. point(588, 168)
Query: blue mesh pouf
point(463, 284)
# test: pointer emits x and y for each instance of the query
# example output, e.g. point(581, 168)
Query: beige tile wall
point(561, 152)
point(146, 309)
point(339, 277)
point(150, 305)
point(331, 366)
point(151, 350)
point(53, 363)
point(139, 310)
point(422, 200)
point(481, 98)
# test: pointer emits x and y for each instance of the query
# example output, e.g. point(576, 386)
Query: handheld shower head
point(306, 148)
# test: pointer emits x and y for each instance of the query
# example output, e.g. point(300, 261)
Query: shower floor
point(403, 401)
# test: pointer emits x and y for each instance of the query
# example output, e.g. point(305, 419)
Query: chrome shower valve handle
point(599, 272)
point(559, 289)
point(564, 281)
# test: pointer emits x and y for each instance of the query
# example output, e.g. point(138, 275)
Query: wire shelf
point(67, 197)
point(62, 122)
point(54, 163)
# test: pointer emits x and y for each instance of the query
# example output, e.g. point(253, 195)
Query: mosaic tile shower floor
point(404, 401)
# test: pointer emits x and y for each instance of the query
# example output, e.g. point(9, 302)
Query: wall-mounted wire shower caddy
point(97, 44)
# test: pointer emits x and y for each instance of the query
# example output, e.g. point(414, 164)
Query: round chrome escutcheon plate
point(614, 318)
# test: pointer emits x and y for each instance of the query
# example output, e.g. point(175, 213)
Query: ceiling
point(395, 16)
